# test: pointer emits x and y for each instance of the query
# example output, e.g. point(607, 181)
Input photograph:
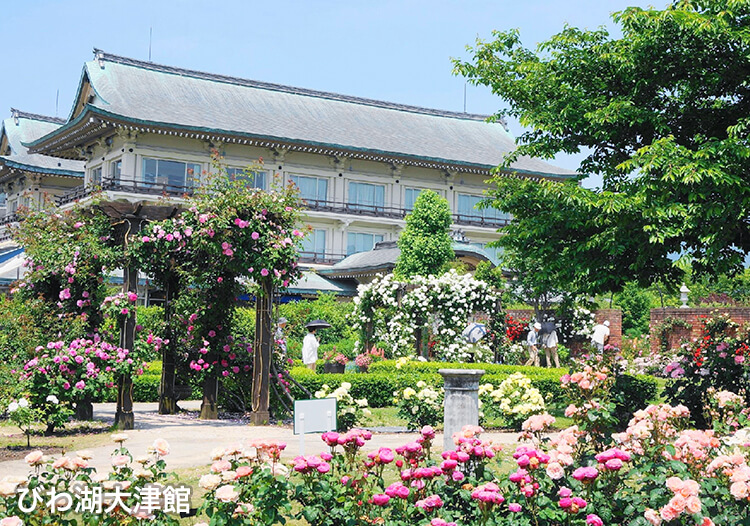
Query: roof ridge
point(18, 114)
point(103, 56)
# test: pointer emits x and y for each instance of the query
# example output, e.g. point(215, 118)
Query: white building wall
point(132, 149)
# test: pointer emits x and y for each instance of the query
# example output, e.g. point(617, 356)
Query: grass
point(384, 417)
point(75, 436)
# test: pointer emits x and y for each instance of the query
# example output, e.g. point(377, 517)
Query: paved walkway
point(192, 440)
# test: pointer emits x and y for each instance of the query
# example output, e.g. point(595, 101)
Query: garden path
point(191, 440)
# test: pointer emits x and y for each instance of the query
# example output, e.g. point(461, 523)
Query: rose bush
point(420, 407)
point(349, 411)
point(62, 490)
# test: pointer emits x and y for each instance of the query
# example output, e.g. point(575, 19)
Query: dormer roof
point(23, 127)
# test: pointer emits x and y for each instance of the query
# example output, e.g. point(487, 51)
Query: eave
point(68, 140)
point(13, 166)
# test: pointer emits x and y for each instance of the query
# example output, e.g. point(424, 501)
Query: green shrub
point(377, 388)
point(632, 393)
point(415, 366)
point(151, 319)
point(243, 324)
point(325, 307)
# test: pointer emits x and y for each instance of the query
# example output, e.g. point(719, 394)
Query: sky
point(398, 51)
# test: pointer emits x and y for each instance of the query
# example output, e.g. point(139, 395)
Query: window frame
point(365, 206)
point(374, 241)
point(189, 180)
point(317, 199)
point(241, 171)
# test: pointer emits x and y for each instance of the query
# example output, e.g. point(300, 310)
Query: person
point(279, 336)
point(310, 349)
point(600, 335)
point(549, 342)
point(532, 341)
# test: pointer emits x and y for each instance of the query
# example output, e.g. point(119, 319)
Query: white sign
point(313, 416)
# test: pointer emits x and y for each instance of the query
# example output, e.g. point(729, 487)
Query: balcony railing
point(397, 213)
point(8, 219)
point(320, 258)
point(133, 186)
point(318, 205)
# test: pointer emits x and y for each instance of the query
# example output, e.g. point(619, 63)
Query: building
point(29, 180)
point(145, 130)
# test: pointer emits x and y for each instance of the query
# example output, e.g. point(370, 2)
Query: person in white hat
point(532, 341)
point(600, 335)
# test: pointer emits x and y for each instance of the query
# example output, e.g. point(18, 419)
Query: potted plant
point(335, 362)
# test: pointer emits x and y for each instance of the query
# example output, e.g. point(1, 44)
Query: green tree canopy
point(662, 112)
point(426, 246)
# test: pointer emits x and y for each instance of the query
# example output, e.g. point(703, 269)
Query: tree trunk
point(263, 357)
point(210, 406)
point(167, 395)
point(84, 408)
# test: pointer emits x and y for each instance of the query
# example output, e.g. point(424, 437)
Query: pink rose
point(514, 507)
point(34, 458)
point(221, 465)
point(120, 460)
point(227, 493)
point(161, 447)
point(380, 499)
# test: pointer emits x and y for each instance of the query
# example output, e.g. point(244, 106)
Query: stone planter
point(335, 368)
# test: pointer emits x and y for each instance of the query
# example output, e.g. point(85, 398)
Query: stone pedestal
point(461, 401)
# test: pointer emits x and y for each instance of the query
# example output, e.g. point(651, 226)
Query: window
point(314, 244)
point(115, 170)
point(311, 188)
point(359, 242)
point(170, 175)
point(252, 179)
point(467, 209)
point(96, 176)
point(12, 206)
point(2, 199)
point(364, 196)
point(410, 197)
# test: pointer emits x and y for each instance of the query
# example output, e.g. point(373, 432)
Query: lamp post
point(684, 296)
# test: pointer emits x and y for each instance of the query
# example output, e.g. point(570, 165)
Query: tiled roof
point(23, 128)
point(146, 93)
point(313, 283)
point(383, 258)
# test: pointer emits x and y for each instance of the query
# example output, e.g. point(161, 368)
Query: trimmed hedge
point(145, 387)
point(379, 387)
point(631, 393)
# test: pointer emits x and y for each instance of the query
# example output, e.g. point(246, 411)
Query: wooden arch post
point(263, 347)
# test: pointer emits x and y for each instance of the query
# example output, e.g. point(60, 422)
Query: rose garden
point(652, 429)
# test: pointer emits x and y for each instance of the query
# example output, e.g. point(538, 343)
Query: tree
point(663, 111)
point(426, 246)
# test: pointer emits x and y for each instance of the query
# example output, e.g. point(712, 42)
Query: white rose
point(22, 402)
point(13, 407)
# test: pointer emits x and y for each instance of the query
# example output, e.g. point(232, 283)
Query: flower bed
point(656, 472)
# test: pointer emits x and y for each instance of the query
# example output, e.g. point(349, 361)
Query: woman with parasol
point(310, 344)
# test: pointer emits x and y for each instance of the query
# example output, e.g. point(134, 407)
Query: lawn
point(75, 436)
